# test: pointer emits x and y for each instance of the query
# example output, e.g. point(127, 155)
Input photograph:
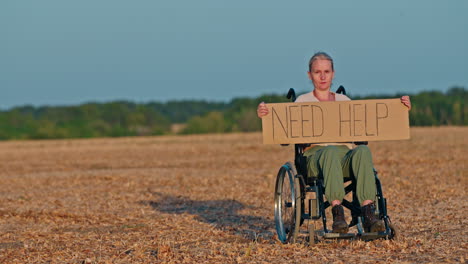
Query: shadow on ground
point(222, 214)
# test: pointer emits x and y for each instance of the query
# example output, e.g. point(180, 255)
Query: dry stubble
point(209, 199)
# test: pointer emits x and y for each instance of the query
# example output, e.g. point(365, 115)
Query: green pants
point(334, 163)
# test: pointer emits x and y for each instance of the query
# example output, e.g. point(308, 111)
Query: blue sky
point(63, 52)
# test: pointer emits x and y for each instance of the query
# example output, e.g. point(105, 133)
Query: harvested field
point(209, 199)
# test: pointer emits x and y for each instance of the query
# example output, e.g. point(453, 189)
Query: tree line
point(123, 118)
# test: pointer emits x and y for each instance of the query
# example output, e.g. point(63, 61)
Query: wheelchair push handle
point(291, 94)
point(341, 90)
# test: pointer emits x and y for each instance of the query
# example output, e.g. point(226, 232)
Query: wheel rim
point(285, 203)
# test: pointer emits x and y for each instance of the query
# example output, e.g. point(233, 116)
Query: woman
point(334, 161)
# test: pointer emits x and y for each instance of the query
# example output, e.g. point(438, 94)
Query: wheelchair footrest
point(339, 235)
point(364, 236)
point(373, 235)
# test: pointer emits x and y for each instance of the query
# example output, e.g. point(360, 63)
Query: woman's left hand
point(406, 101)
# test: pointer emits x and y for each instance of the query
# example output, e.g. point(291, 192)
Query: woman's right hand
point(262, 110)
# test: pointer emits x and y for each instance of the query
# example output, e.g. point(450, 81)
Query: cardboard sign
point(326, 122)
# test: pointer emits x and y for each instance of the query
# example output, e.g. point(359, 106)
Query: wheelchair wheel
point(393, 232)
point(287, 204)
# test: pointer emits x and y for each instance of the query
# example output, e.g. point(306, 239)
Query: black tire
point(393, 232)
point(287, 204)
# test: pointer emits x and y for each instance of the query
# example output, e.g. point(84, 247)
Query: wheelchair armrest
point(361, 143)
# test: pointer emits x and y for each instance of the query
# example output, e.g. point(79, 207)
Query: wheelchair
point(300, 197)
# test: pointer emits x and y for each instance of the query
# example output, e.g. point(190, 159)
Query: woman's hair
point(320, 55)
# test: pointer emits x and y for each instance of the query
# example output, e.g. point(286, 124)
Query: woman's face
point(321, 74)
